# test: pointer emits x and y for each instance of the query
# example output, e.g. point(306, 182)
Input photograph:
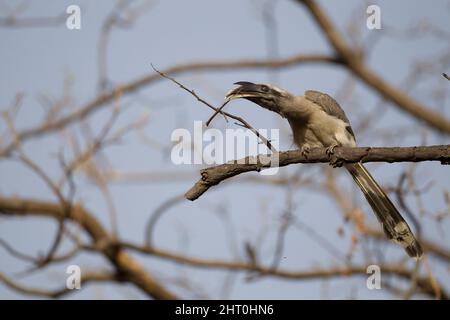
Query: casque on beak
point(245, 90)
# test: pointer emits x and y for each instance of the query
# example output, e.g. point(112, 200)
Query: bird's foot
point(305, 150)
point(335, 161)
point(330, 150)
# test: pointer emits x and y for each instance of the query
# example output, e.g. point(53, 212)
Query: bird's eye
point(265, 88)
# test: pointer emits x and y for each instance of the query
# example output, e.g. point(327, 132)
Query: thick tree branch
point(32, 22)
point(85, 279)
point(424, 283)
point(352, 60)
point(214, 175)
point(131, 270)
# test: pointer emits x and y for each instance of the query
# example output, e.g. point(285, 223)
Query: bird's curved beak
point(245, 90)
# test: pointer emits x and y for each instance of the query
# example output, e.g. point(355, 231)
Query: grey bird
point(317, 121)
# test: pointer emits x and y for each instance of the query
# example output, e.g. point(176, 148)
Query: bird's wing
point(329, 106)
point(327, 103)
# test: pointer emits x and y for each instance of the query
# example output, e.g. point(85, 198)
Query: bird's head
point(265, 95)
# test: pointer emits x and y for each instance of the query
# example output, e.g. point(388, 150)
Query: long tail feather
point(394, 226)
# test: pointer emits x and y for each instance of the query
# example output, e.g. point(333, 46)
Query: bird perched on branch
point(317, 121)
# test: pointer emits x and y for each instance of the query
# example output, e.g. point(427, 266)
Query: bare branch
point(85, 279)
point(446, 76)
point(429, 247)
point(32, 22)
point(154, 217)
point(48, 181)
point(192, 92)
point(352, 60)
point(219, 110)
point(129, 268)
point(137, 84)
point(424, 283)
point(214, 175)
point(15, 253)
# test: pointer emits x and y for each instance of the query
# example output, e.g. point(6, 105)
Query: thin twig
point(446, 76)
point(190, 91)
point(48, 181)
point(219, 110)
point(154, 217)
point(225, 114)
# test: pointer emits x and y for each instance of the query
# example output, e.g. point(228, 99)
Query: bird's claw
point(330, 150)
point(335, 161)
point(305, 149)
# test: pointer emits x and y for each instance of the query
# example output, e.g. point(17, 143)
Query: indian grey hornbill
point(317, 121)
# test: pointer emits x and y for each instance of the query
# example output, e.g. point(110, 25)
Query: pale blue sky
point(37, 60)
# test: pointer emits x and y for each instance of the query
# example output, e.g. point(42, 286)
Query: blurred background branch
point(85, 142)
